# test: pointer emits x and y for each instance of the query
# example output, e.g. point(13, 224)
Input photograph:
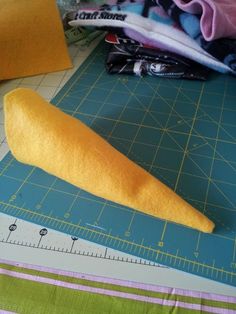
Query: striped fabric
point(32, 289)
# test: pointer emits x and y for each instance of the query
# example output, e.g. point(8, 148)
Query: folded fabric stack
point(198, 30)
point(131, 57)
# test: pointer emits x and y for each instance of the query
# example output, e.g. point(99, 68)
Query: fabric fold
point(129, 57)
point(217, 18)
point(223, 49)
point(150, 30)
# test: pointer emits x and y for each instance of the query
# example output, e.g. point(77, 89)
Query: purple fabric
point(218, 17)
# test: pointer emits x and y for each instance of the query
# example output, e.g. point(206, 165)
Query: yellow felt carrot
point(41, 135)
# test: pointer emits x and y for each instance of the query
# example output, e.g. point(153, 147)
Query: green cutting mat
point(182, 132)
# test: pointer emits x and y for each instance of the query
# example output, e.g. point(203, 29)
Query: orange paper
point(31, 39)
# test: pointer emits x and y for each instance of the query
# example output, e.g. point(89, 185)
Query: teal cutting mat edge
point(156, 139)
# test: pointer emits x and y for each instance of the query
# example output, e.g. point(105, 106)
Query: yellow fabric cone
point(31, 38)
point(41, 135)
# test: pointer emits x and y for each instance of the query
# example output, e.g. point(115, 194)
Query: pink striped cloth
point(218, 17)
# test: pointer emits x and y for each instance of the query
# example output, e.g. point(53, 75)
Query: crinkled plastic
point(129, 57)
